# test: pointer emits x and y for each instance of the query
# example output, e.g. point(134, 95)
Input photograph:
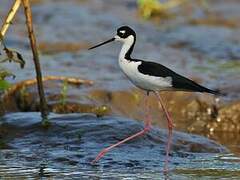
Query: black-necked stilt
point(151, 77)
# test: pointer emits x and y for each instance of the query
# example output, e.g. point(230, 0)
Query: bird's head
point(124, 34)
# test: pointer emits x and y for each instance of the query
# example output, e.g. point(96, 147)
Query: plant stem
point(43, 103)
point(10, 17)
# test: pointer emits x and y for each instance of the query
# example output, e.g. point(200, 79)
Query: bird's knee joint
point(147, 128)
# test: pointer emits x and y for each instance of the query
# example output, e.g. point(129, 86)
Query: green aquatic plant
point(4, 73)
point(148, 8)
point(63, 93)
point(3, 83)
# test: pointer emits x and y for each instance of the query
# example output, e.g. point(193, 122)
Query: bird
point(151, 77)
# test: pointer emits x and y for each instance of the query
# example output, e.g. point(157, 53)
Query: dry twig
point(10, 17)
point(71, 80)
point(28, 14)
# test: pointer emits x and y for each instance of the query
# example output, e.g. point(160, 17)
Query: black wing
point(178, 81)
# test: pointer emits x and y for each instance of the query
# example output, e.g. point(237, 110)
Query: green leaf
point(5, 73)
point(4, 85)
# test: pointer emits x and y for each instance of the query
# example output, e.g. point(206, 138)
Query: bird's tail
point(215, 92)
point(199, 88)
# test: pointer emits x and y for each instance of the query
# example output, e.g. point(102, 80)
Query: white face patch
point(123, 31)
point(129, 40)
point(127, 43)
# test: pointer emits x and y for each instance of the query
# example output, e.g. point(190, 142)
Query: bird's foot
point(99, 156)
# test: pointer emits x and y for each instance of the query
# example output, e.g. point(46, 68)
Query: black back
point(178, 82)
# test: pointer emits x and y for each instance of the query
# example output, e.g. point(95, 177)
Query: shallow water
point(72, 141)
point(185, 48)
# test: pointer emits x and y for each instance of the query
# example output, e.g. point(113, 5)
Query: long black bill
point(108, 41)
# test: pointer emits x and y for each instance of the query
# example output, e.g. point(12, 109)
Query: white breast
point(146, 82)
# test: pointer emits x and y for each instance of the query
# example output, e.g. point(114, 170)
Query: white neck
point(127, 43)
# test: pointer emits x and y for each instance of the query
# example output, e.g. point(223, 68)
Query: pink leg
point(147, 112)
point(169, 141)
point(170, 127)
point(144, 131)
point(161, 104)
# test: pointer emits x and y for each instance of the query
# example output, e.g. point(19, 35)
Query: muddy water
point(207, 53)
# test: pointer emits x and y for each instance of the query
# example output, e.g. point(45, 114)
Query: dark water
point(72, 141)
